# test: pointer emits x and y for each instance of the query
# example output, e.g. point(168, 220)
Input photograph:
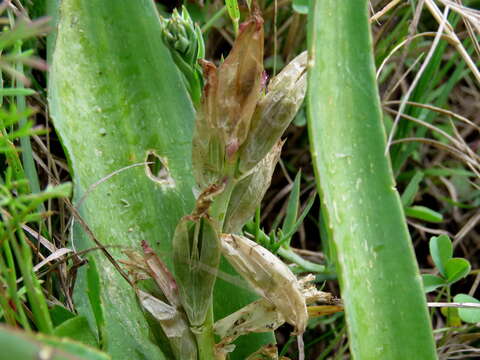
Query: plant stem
point(205, 338)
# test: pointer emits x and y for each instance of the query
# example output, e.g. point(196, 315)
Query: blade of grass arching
point(115, 95)
point(385, 306)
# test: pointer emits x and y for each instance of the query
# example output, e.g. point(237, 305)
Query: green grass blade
point(385, 306)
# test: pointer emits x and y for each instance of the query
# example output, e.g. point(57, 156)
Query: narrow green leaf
point(292, 207)
point(423, 213)
point(432, 282)
point(375, 258)
point(456, 269)
point(471, 316)
point(441, 251)
point(16, 92)
point(412, 189)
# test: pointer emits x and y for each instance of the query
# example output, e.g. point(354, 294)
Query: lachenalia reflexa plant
point(236, 146)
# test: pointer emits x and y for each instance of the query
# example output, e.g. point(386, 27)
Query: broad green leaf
point(117, 99)
point(432, 282)
point(17, 344)
point(77, 329)
point(375, 258)
point(456, 269)
point(468, 315)
point(441, 250)
point(423, 213)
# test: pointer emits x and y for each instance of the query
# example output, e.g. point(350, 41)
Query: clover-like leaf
point(456, 269)
point(441, 251)
point(432, 282)
point(466, 314)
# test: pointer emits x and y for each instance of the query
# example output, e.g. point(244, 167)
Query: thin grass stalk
point(381, 288)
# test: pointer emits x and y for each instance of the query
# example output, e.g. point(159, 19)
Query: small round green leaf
point(441, 251)
point(466, 314)
point(456, 269)
point(432, 282)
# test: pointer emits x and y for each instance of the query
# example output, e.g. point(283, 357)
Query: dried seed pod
point(249, 191)
point(274, 112)
point(196, 255)
point(269, 276)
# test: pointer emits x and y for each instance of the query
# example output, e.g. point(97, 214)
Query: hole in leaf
point(157, 170)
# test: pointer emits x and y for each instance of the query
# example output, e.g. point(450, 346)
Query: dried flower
point(230, 96)
point(274, 112)
point(249, 191)
point(269, 276)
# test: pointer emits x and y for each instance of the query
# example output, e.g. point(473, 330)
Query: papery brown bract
point(239, 84)
point(230, 95)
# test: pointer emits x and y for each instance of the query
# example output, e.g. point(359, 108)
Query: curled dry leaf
point(269, 276)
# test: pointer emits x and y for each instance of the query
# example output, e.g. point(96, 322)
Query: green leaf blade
point(375, 258)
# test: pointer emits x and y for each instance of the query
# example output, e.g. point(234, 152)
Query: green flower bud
point(196, 255)
point(274, 112)
point(185, 41)
point(249, 191)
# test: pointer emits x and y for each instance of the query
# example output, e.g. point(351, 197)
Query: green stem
point(288, 254)
point(205, 338)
